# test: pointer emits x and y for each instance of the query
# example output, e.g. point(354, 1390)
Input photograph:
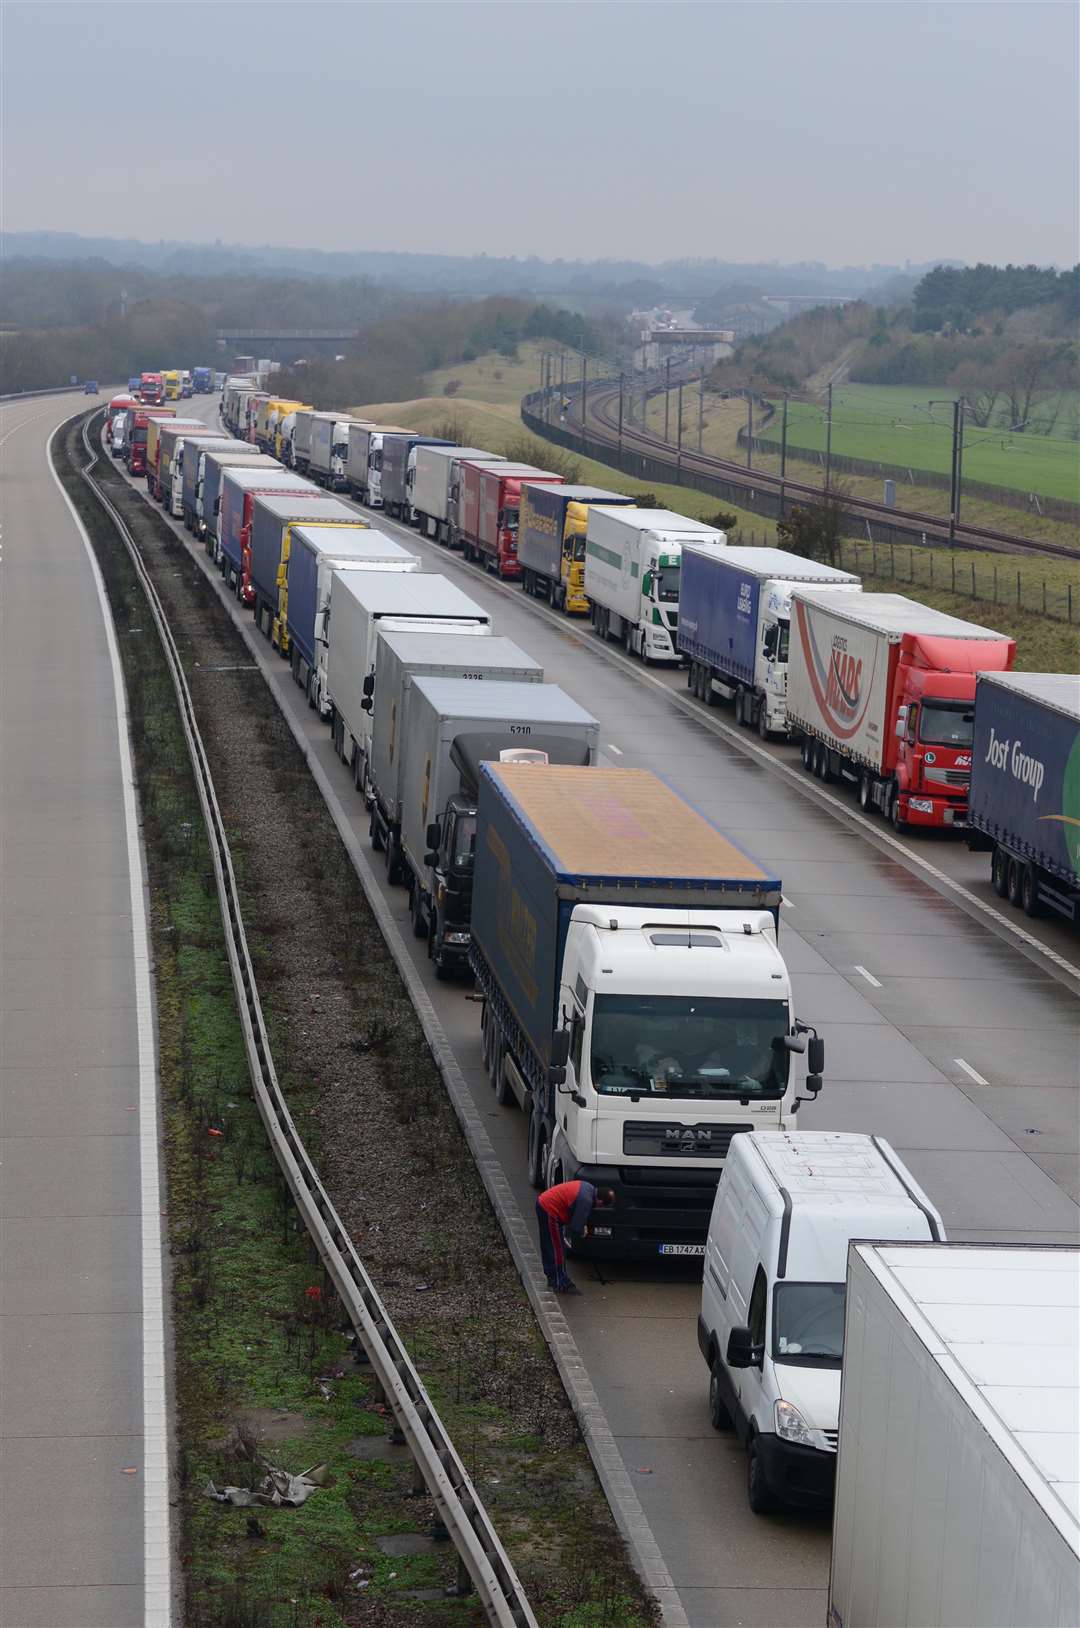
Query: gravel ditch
point(365, 1091)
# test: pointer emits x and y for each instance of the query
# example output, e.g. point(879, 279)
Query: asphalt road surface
point(83, 1466)
point(947, 1030)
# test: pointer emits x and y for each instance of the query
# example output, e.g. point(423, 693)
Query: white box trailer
point(401, 659)
point(363, 459)
point(317, 552)
point(330, 449)
point(361, 604)
point(435, 474)
point(632, 574)
point(958, 1478)
point(303, 431)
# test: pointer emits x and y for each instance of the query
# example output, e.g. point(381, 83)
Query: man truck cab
point(771, 1327)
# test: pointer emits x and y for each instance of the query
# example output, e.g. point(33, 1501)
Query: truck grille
point(949, 777)
point(832, 1437)
point(654, 1138)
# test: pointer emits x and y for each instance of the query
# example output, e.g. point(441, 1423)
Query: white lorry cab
point(771, 1327)
point(633, 560)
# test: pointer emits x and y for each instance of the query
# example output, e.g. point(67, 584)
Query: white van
point(771, 1327)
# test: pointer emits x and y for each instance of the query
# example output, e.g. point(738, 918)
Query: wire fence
point(990, 584)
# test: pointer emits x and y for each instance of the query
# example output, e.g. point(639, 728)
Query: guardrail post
point(462, 1585)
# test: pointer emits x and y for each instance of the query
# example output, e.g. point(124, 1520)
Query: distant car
point(90, 388)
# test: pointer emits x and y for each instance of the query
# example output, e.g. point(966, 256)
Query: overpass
point(284, 344)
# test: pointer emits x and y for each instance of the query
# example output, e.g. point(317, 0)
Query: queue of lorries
point(635, 1001)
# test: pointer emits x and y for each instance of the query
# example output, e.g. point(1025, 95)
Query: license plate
point(681, 1249)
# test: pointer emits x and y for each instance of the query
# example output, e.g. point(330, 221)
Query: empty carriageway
point(941, 1035)
point(84, 1512)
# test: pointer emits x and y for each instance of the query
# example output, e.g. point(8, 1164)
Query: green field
point(894, 424)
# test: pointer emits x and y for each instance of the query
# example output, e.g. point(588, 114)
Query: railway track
point(483, 1560)
point(910, 525)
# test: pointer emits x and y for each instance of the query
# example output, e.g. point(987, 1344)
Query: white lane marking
point(869, 976)
point(970, 1072)
point(611, 747)
point(157, 1541)
point(22, 425)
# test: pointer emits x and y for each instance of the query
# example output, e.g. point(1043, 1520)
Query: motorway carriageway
point(951, 1033)
point(84, 1505)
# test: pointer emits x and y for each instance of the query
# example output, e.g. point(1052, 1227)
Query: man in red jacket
point(570, 1204)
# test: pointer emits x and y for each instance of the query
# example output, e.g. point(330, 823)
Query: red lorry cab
point(882, 691)
point(488, 511)
point(136, 460)
point(301, 489)
point(152, 389)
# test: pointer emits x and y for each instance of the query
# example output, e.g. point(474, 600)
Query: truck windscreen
point(666, 584)
point(808, 1323)
point(947, 723)
point(688, 1046)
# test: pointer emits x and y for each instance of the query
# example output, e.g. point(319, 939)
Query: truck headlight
point(791, 1426)
point(456, 938)
point(921, 805)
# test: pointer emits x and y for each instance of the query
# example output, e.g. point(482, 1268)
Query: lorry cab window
point(508, 520)
point(688, 1046)
point(783, 640)
point(808, 1324)
point(666, 584)
point(947, 723)
point(579, 548)
point(464, 841)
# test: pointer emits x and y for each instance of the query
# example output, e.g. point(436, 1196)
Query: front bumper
point(660, 1216)
point(803, 1476)
point(920, 808)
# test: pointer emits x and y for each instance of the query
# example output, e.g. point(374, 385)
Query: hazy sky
point(848, 133)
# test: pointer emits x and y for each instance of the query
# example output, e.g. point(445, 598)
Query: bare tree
point(815, 529)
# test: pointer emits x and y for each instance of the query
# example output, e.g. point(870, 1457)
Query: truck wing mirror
point(560, 1048)
point(368, 685)
point(741, 1351)
point(901, 723)
point(815, 1055)
point(432, 834)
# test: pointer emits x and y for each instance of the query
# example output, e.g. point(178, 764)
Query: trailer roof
point(407, 593)
point(779, 564)
point(503, 700)
point(661, 520)
point(304, 506)
point(894, 615)
point(1058, 691)
point(440, 649)
point(1003, 1325)
point(247, 457)
point(605, 822)
point(351, 540)
point(586, 494)
point(452, 452)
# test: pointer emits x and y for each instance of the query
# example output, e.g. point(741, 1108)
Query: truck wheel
point(739, 693)
point(866, 787)
point(758, 1493)
point(375, 834)
point(416, 913)
point(999, 872)
point(1029, 892)
point(896, 819)
point(538, 1141)
point(1013, 887)
point(763, 720)
point(821, 762)
point(719, 1417)
point(393, 860)
point(806, 752)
